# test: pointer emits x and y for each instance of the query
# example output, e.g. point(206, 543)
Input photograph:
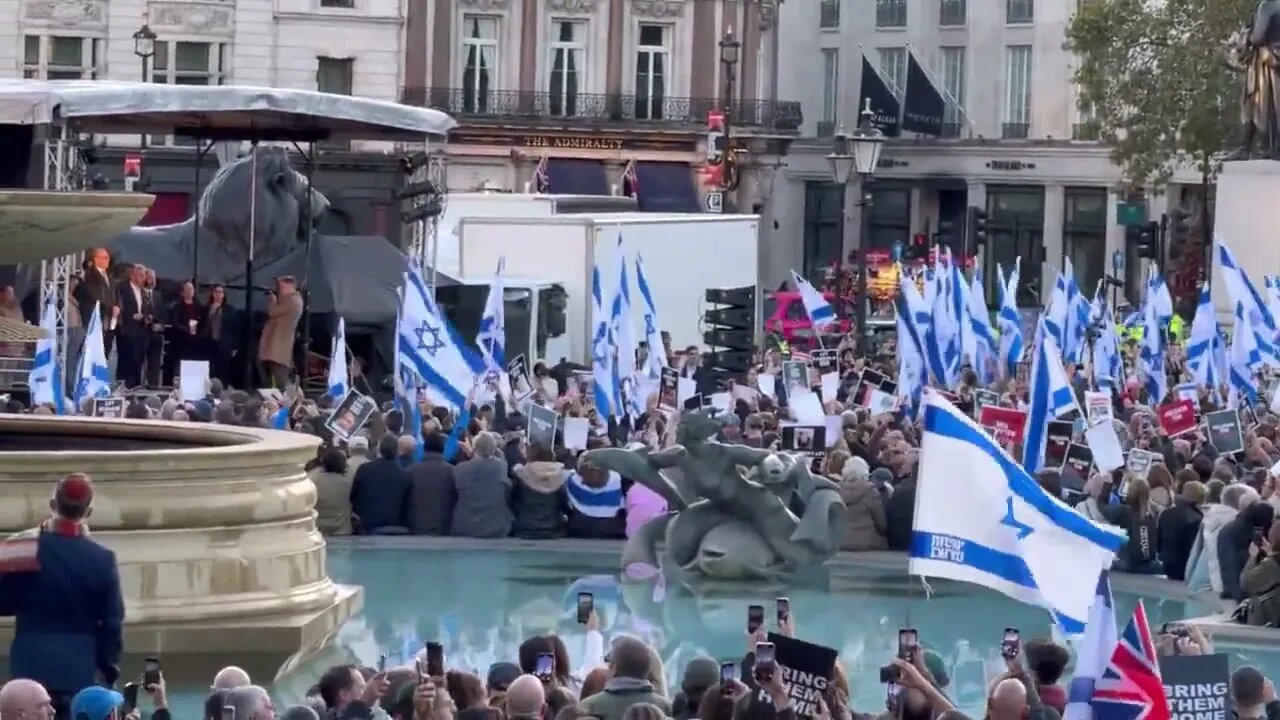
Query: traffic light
point(918, 250)
point(1143, 238)
point(948, 235)
point(1181, 232)
point(729, 331)
point(977, 227)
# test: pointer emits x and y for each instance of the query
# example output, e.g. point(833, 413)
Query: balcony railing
point(1019, 11)
point(952, 13)
point(1016, 131)
point(545, 109)
point(891, 13)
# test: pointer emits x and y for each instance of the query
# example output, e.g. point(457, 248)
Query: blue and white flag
point(1093, 652)
point(339, 377)
point(657, 358)
point(603, 367)
point(1241, 291)
point(1057, 315)
point(491, 338)
point(1108, 368)
point(983, 336)
point(1244, 358)
point(1151, 354)
point(45, 379)
point(1009, 324)
point(624, 340)
point(430, 347)
point(1078, 310)
point(1158, 296)
point(281, 419)
point(1050, 397)
point(961, 310)
point(94, 378)
point(1200, 343)
point(913, 374)
point(602, 502)
point(815, 305)
point(406, 401)
point(1273, 297)
point(1013, 536)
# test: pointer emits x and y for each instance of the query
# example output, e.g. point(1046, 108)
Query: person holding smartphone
point(1261, 579)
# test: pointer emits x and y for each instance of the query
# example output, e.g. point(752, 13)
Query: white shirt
point(137, 296)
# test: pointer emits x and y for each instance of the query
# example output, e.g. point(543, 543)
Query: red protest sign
point(1007, 424)
point(1178, 418)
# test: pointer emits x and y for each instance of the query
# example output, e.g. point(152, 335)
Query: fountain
point(213, 526)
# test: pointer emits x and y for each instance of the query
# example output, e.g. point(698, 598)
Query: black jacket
point(1233, 546)
point(95, 289)
point(1144, 540)
point(899, 513)
point(380, 495)
point(431, 511)
point(1178, 528)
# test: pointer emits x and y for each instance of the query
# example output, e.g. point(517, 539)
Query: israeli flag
point(815, 305)
point(1078, 311)
point(1012, 537)
point(962, 311)
point(430, 347)
point(1242, 291)
point(1050, 397)
point(406, 401)
point(1093, 651)
point(913, 374)
point(1056, 315)
point(45, 378)
point(491, 338)
point(1108, 369)
point(601, 502)
point(1244, 358)
point(983, 336)
point(1010, 324)
point(95, 375)
point(657, 358)
point(1273, 296)
point(339, 377)
point(1200, 344)
point(1151, 353)
point(603, 367)
point(1158, 295)
point(625, 339)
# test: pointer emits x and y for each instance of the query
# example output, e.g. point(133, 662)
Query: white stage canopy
point(213, 111)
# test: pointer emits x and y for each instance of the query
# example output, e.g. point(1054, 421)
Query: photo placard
point(806, 439)
point(1223, 430)
point(519, 377)
point(107, 407)
point(1079, 459)
point(541, 430)
point(669, 390)
point(351, 415)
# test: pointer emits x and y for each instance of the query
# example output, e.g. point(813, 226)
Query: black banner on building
point(884, 104)
point(922, 105)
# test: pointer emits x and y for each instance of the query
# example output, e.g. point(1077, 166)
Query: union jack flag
point(1130, 688)
point(541, 181)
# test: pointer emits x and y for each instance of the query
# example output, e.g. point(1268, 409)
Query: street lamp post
point(730, 49)
point(856, 157)
point(144, 46)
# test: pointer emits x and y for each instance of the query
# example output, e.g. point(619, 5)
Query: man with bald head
point(230, 678)
point(25, 700)
point(1008, 700)
point(526, 698)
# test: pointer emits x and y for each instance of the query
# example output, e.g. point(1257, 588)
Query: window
point(1017, 103)
point(1015, 229)
point(189, 63)
point(891, 13)
point(479, 62)
point(890, 222)
point(1085, 127)
point(568, 62)
point(952, 13)
point(823, 227)
point(61, 58)
point(335, 75)
point(1019, 11)
point(1085, 234)
point(653, 57)
point(830, 92)
point(342, 4)
point(893, 66)
point(953, 90)
point(829, 14)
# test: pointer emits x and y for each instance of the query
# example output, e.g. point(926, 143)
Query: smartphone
point(151, 671)
point(1011, 644)
point(728, 676)
point(784, 609)
point(586, 605)
point(130, 693)
point(755, 617)
point(908, 640)
point(228, 712)
point(1257, 535)
point(1175, 629)
point(435, 659)
point(766, 662)
point(544, 668)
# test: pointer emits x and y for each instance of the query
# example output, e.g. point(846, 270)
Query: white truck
point(684, 255)
point(463, 205)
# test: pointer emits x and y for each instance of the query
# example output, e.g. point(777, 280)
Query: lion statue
point(225, 214)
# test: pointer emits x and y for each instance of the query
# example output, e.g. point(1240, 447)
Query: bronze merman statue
point(1256, 52)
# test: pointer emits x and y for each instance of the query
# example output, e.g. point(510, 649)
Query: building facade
point(341, 46)
point(1014, 140)
point(568, 96)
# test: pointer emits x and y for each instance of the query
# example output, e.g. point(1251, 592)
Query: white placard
point(685, 389)
point(835, 428)
point(767, 383)
point(193, 379)
point(1105, 444)
point(880, 402)
point(575, 433)
point(808, 409)
point(830, 386)
point(722, 401)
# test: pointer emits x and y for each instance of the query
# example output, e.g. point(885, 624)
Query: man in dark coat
point(1178, 528)
point(1234, 542)
point(381, 491)
point(63, 591)
point(431, 511)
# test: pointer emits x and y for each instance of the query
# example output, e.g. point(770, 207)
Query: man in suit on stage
point(63, 591)
point(97, 289)
point(275, 347)
point(136, 316)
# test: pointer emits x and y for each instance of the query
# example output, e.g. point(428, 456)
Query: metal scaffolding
point(64, 170)
point(424, 234)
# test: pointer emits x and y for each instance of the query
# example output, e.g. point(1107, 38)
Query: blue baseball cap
point(95, 703)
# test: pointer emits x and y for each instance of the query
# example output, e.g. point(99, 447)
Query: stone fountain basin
point(213, 527)
point(38, 225)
